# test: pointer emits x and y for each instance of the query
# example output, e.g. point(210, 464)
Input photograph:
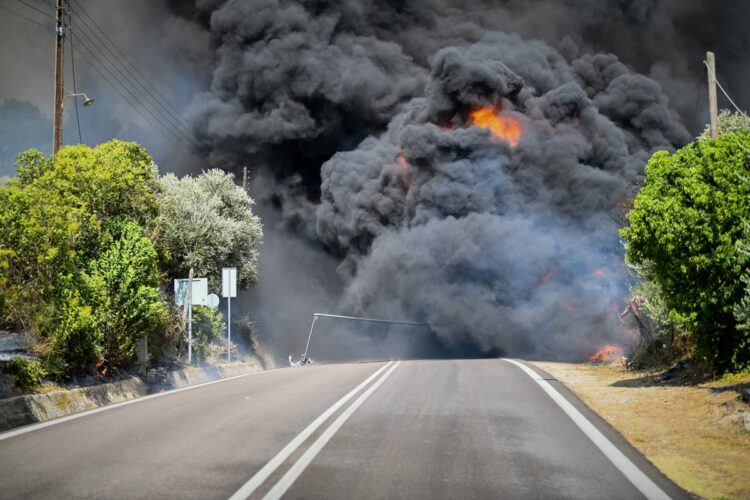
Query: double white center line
point(294, 472)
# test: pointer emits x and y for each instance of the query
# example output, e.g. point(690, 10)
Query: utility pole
point(712, 105)
point(244, 179)
point(59, 70)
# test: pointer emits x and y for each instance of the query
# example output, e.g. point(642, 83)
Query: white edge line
point(299, 467)
point(254, 482)
point(635, 475)
point(41, 425)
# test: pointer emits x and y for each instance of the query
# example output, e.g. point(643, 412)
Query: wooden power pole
point(712, 105)
point(59, 70)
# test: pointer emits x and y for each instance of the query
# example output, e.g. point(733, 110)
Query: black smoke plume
point(359, 114)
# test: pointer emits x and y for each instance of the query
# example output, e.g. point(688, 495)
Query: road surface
point(411, 429)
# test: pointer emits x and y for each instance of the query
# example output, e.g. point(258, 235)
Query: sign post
point(186, 293)
point(229, 290)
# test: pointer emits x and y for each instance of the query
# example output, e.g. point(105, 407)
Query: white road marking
point(254, 482)
point(640, 480)
point(49, 423)
point(298, 468)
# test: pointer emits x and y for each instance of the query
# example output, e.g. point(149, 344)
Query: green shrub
point(122, 286)
point(685, 225)
point(75, 344)
point(208, 325)
point(28, 372)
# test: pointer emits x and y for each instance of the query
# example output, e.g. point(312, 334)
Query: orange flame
point(502, 126)
point(606, 354)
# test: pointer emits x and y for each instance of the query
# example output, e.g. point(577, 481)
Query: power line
point(143, 81)
point(158, 127)
point(724, 91)
point(48, 28)
point(73, 67)
point(37, 9)
point(139, 99)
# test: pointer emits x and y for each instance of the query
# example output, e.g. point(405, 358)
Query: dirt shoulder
point(695, 434)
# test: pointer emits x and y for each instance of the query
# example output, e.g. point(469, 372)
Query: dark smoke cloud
point(296, 81)
point(359, 111)
point(498, 246)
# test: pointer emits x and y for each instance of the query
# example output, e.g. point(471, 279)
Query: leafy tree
point(207, 223)
point(685, 225)
point(76, 235)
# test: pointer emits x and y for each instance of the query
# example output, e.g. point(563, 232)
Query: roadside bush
point(122, 286)
point(685, 224)
point(208, 325)
point(28, 372)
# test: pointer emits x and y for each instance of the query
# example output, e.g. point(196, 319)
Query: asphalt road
point(411, 429)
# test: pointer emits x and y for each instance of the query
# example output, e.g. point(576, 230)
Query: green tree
point(76, 234)
point(685, 225)
point(207, 223)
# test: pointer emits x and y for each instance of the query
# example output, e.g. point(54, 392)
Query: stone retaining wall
point(32, 408)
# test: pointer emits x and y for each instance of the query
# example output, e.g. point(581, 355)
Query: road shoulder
point(683, 430)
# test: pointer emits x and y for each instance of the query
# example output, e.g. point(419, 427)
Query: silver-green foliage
point(729, 123)
point(207, 223)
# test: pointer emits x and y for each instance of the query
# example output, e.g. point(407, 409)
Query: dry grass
point(684, 430)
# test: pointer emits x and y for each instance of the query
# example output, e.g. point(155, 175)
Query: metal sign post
point(229, 290)
point(186, 293)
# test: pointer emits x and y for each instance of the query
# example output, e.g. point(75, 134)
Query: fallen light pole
point(304, 359)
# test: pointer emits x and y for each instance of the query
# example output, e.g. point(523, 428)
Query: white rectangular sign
point(229, 282)
point(200, 291)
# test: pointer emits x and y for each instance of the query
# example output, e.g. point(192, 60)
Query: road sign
point(212, 301)
point(200, 291)
point(229, 282)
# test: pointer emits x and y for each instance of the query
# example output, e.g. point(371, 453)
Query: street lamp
point(87, 101)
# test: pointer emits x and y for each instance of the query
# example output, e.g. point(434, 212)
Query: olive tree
point(207, 223)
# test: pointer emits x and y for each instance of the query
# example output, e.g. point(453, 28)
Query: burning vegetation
point(606, 354)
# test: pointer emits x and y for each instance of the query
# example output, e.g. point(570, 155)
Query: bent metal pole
point(352, 318)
